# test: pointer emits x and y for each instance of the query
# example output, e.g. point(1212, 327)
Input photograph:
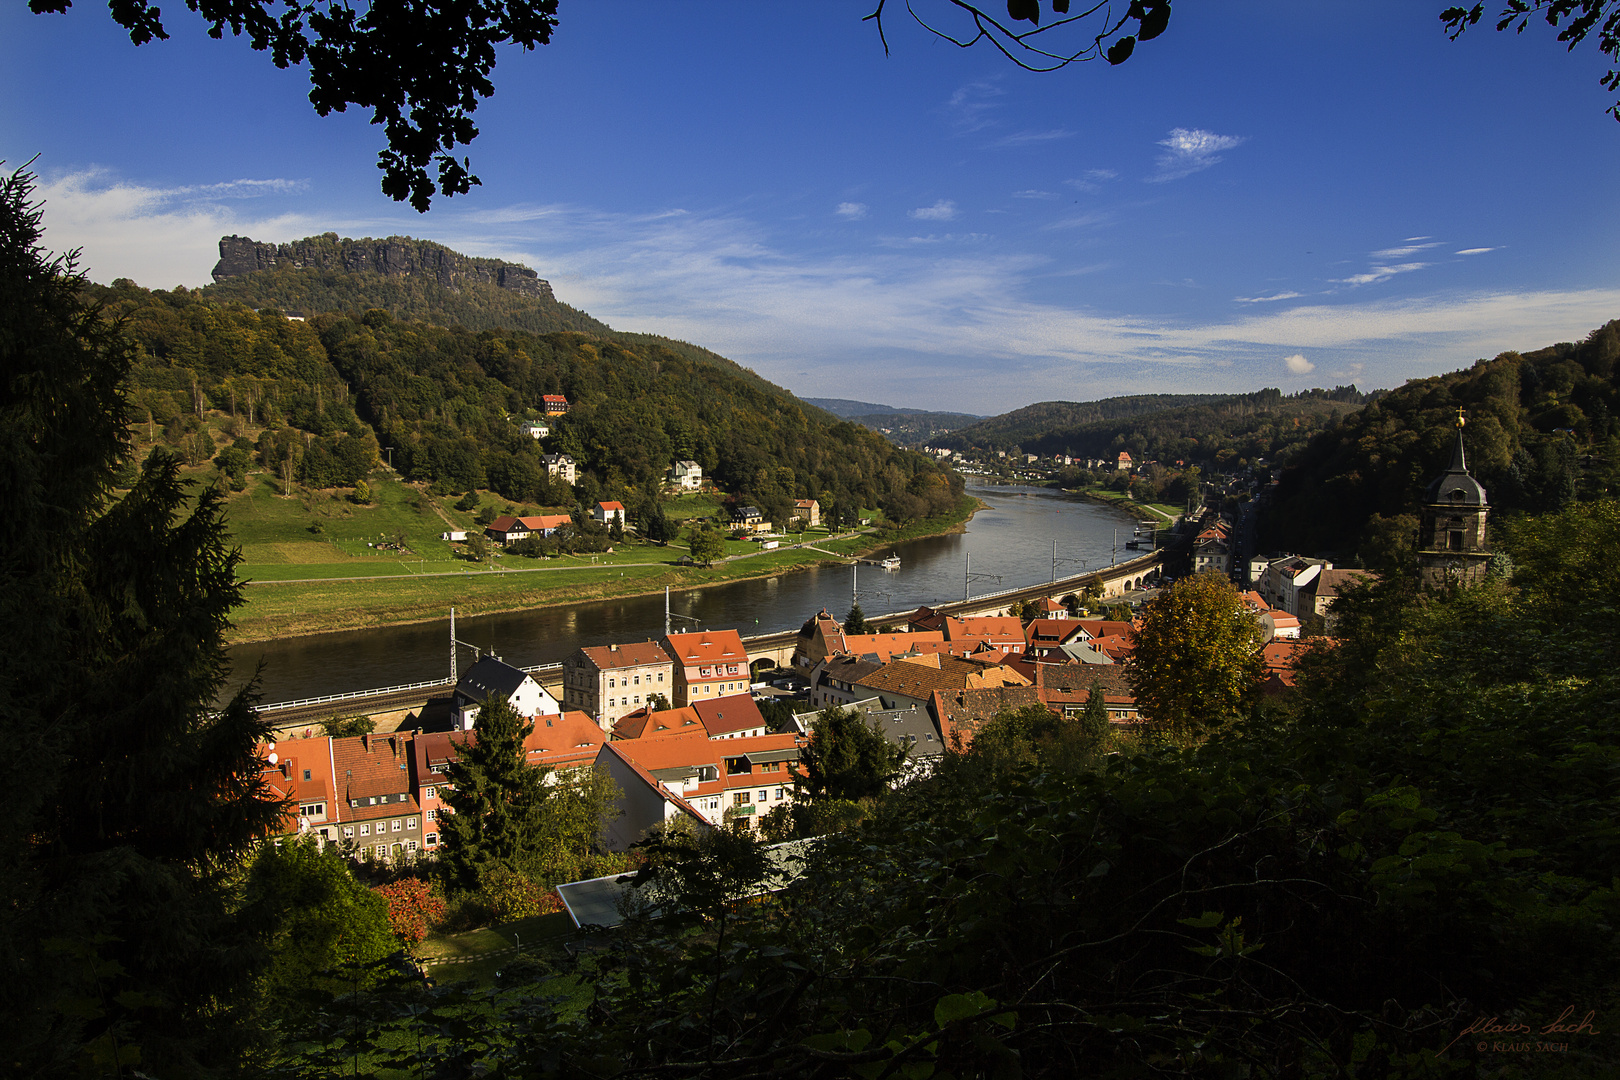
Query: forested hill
point(1542, 431)
point(406, 277)
point(319, 398)
point(1167, 427)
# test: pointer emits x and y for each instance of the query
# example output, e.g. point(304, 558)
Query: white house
point(560, 467)
point(686, 475)
point(491, 676)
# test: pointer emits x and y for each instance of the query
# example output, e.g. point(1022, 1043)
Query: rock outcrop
point(395, 255)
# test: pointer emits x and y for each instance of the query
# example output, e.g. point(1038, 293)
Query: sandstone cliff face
point(394, 255)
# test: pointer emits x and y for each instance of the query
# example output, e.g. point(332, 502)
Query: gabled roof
point(569, 739)
point(610, 507)
point(1330, 582)
point(706, 647)
point(720, 716)
point(912, 677)
point(634, 654)
point(647, 722)
point(367, 766)
point(490, 675)
point(993, 627)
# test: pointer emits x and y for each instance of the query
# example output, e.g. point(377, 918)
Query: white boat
point(891, 563)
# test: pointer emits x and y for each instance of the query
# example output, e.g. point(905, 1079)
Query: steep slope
point(1542, 431)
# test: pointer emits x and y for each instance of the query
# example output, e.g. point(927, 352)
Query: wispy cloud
point(1092, 179)
point(913, 320)
point(943, 210)
point(851, 211)
point(1034, 193)
point(1265, 299)
point(972, 107)
point(1026, 138)
point(160, 236)
point(1405, 251)
point(1476, 251)
point(1298, 365)
point(1190, 150)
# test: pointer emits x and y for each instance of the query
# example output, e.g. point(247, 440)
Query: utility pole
point(453, 645)
point(967, 575)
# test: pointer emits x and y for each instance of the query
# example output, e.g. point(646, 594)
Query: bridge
point(764, 651)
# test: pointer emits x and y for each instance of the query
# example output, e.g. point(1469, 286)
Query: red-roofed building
point(611, 681)
point(605, 512)
point(508, 530)
point(714, 779)
point(1003, 631)
point(554, 404)
point(708, 664)
point(376, 795)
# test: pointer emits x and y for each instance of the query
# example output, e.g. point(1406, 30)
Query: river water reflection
point(1007, 545)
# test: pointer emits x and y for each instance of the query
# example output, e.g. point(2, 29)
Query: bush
point(413, 910)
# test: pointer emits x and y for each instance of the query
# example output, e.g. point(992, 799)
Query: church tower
point(1451, 540)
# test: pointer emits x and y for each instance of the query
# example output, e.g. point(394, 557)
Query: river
point(1007, 545)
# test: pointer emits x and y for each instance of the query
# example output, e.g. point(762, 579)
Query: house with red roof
point(611, 681)
point(709, 780)
point(708, 664)
point(554, 404)
point(509, 530)
point(605, 512)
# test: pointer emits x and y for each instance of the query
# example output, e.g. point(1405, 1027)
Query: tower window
point(1456, 538)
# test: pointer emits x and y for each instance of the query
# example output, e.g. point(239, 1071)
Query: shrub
point(413, 910)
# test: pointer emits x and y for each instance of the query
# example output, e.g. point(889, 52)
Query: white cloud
point(1034, 193)
point(1092, 179)
point(1265, 299)
point(916, 321)
point(971, 107)
point(1298, 365)
point(851, 211)
point(1382, 273)
point(1026, 138)
point(160, 237)
point(1190, 150)
point(943, 210)
point(1409, 249)
point(1476, 251)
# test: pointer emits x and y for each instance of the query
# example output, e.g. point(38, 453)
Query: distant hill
point(1196, 428)
point(908, 427)
point(1543, 430)
point(408, 346)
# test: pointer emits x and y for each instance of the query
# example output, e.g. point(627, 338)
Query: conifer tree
point(855, 621)
point(140, 795)
point(496, 798)
point(1094, 720)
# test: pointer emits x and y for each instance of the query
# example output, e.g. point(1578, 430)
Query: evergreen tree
point(616, 529)
point(855, 621)
point(656, 527)
point(1094, 720)
point(496, 798)
point(141, 795)
point(846, 758)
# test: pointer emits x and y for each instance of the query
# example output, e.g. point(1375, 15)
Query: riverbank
point(304, 607)
point(1164, 513)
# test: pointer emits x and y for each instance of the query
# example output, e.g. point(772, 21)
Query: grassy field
point(315, 561)
point(1164, 512)
point(387, 588)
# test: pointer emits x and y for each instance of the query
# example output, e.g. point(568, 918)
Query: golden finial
point(1462, 417)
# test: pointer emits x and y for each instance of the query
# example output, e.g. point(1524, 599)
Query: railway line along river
point(1007, 544)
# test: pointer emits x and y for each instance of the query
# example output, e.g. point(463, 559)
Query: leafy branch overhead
point(421, 69)
point(1057, 44)
point(1573, 19)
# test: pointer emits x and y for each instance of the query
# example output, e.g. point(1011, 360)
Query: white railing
point(381, 691)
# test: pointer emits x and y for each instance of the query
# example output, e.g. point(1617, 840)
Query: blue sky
point(1285, 194)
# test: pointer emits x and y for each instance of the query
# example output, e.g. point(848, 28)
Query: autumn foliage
point(412, 908)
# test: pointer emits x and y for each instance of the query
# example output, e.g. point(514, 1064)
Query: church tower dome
point(1451, 540)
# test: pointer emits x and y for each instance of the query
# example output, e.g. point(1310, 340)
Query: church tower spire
point(1451, 541)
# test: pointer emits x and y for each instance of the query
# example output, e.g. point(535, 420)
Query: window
point(398, 825)
point(372, 801)
point(742, 798)
point(638, 699)
point(431, 839)
point(410, 823)
point(313, 809)
point(430, 793)
point(306, 774)
point(764, 796)
point(365, 830)
point(348, 832)
point(778, 793)
point(611, 684)
point(660, 676)
point(410, 845)
point(382, 851)
point(638, 680)
point(433, 815)
point(1456, 540)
